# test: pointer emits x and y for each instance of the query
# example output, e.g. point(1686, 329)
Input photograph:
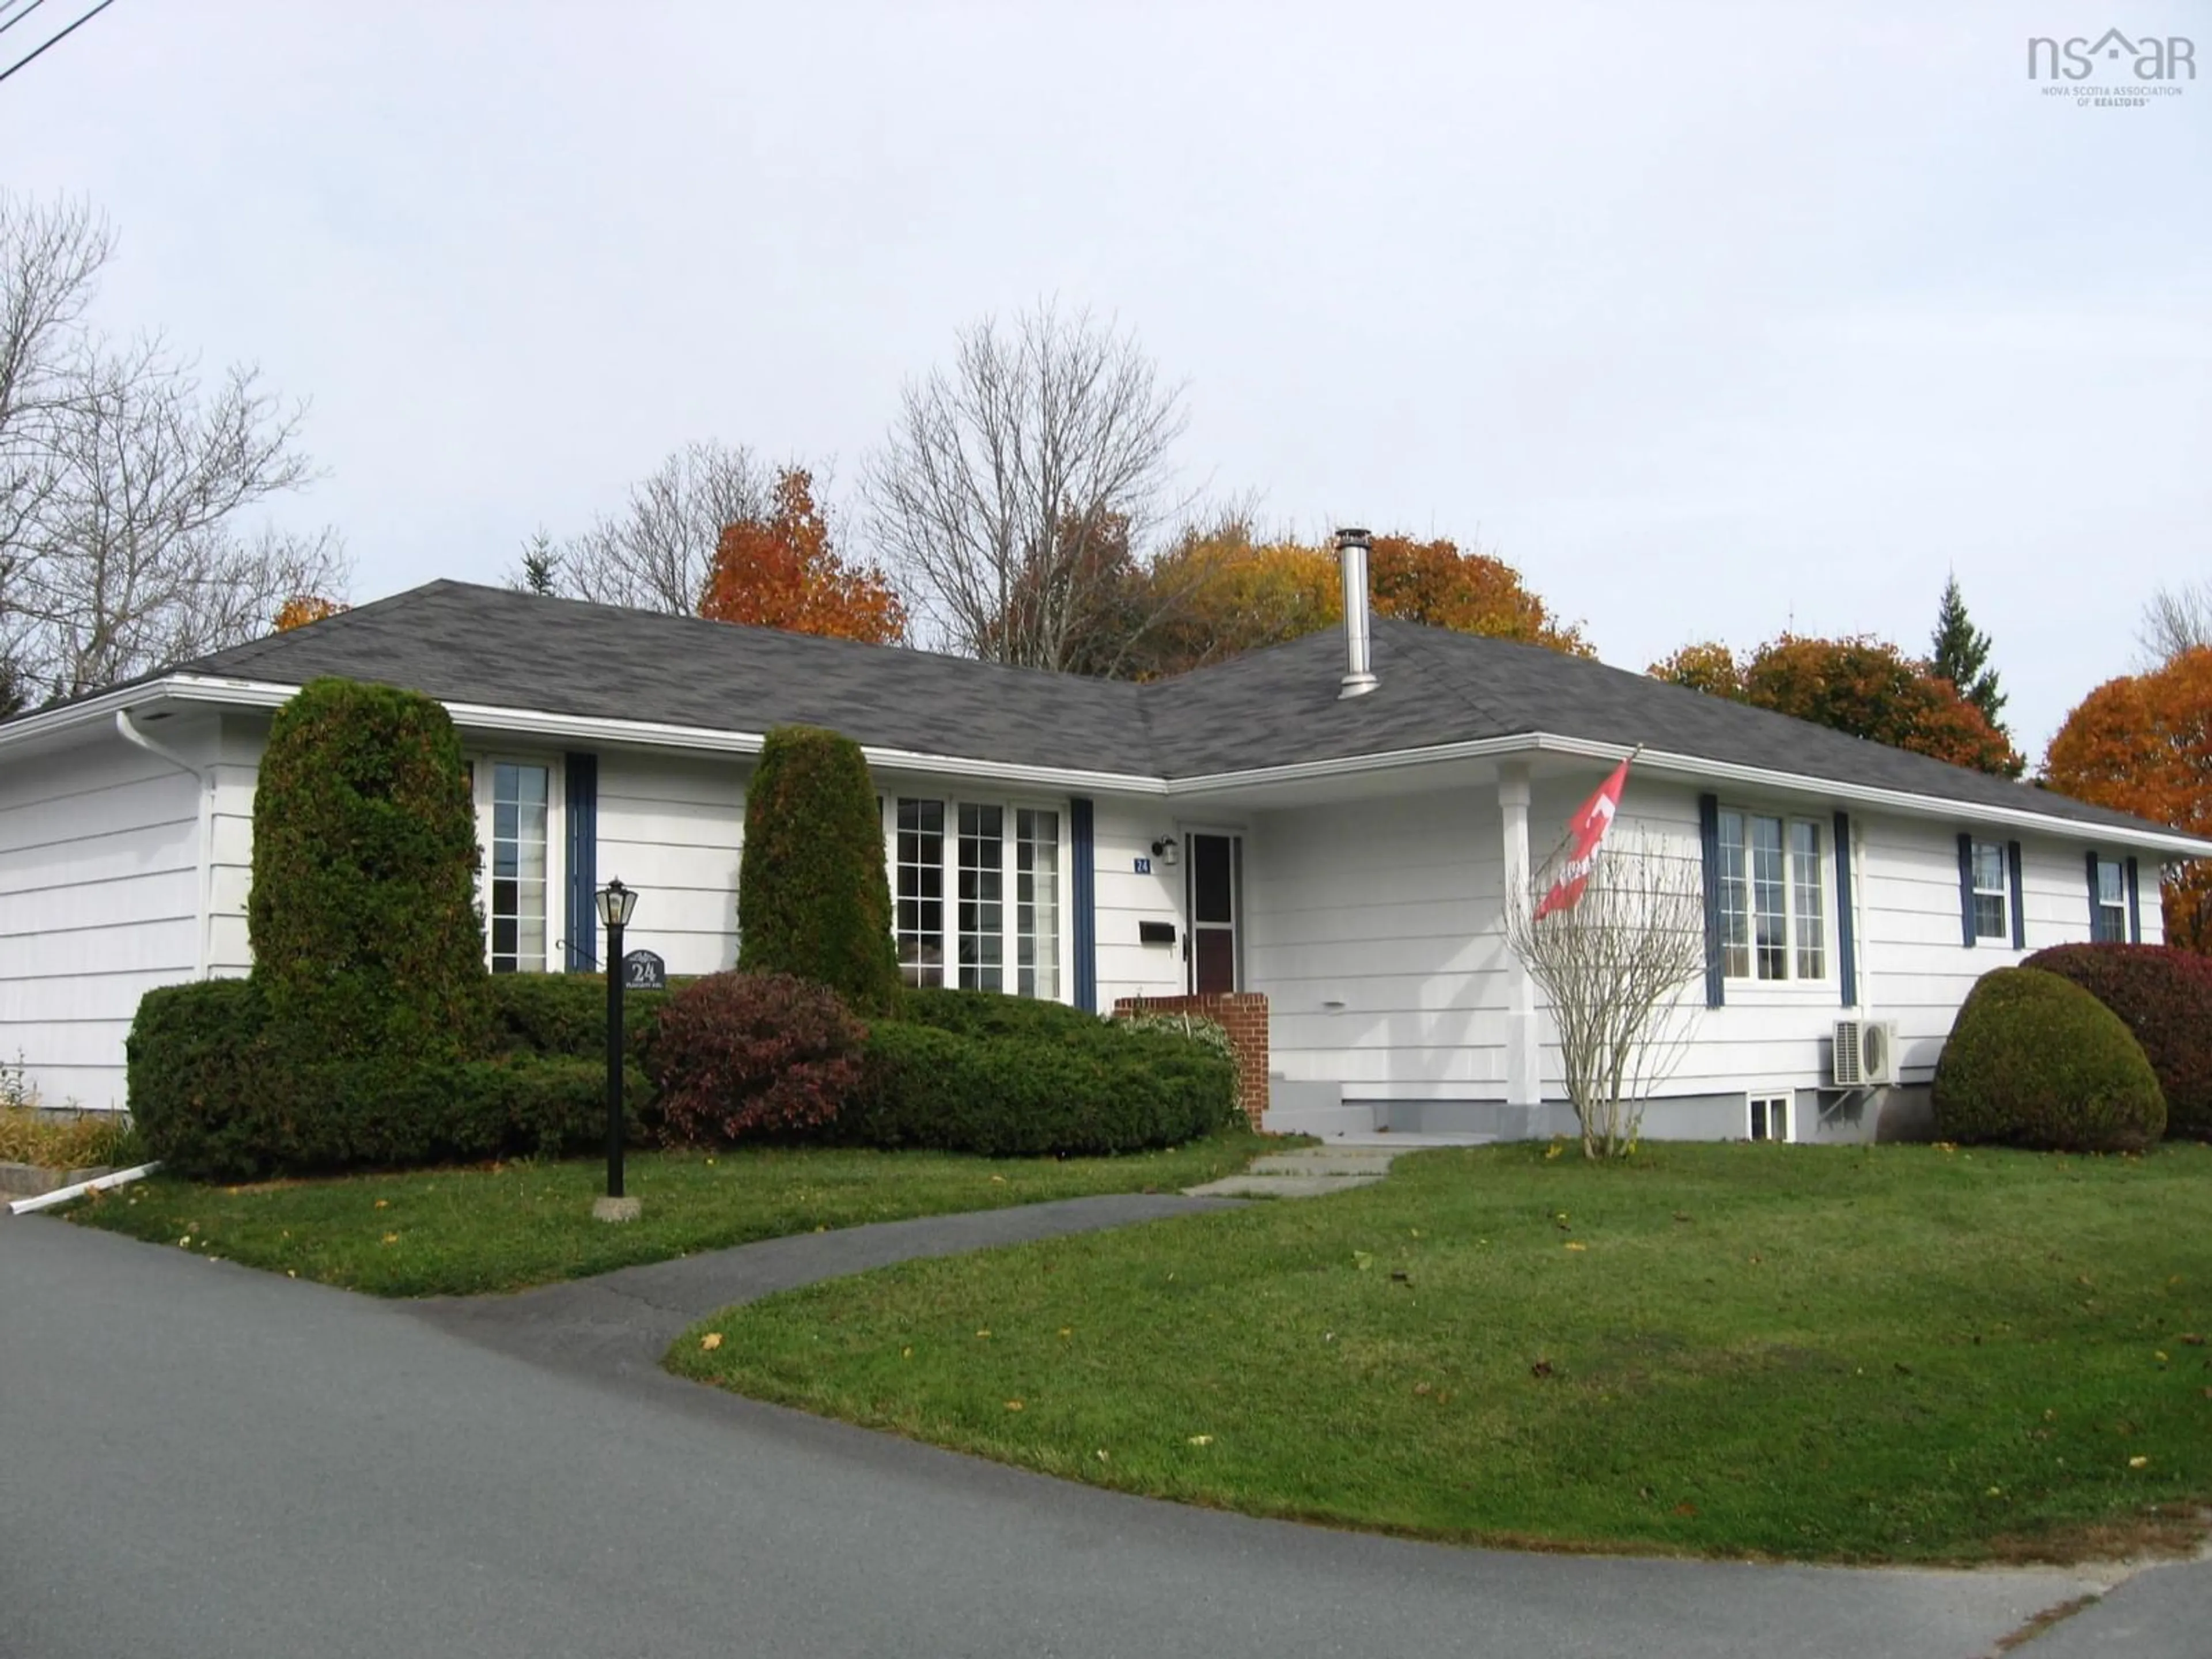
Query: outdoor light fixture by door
point(615, 902)
point(1166, 851)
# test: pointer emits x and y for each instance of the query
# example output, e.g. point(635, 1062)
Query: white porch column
point(1524, 1076)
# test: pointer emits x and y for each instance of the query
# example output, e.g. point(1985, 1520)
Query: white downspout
point(128, 731)
point(1524, 1055)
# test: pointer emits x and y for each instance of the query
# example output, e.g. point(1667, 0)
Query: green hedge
point(2035, 1060)
point(565, 1015)
point(990, 1014)
point(218, 1093)
point(1007, 1096)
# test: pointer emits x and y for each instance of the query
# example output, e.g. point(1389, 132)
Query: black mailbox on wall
point(1156, 932)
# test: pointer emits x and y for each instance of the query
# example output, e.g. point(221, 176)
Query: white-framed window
point(1773, 912)
point(1769, 1117)
point(1992, 891)
point(2108, 922)
point(999, 862)
point(514, 802)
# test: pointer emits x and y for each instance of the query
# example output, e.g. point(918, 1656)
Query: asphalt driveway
point(196, 1459)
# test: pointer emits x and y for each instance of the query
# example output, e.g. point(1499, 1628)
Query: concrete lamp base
point(615, 1209)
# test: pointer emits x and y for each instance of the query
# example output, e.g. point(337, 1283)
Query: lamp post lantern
point(615, 902)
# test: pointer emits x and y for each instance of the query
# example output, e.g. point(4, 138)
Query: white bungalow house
point(1245, 828)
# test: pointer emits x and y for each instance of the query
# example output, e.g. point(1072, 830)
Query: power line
point(57, 40)
point(19, 15)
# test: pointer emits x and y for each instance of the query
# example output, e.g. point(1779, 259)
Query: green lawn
point(457, 1232)
point(1905, 1353)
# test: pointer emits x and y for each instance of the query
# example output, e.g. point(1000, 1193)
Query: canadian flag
point(1585, 834)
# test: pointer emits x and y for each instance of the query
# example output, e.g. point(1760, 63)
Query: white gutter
point(97, 1184)
point(655, 734)
point(205, 848)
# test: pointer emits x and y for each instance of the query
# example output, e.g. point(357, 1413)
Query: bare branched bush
point(1018, 490)
point(1613, 968)
point(122, 478)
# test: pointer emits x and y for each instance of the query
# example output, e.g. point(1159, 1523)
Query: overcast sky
point(1714, 320)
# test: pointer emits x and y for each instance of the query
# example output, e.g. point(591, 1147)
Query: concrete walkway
point(204, 1460)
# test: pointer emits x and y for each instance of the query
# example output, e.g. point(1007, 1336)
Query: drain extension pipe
point(97, 1184)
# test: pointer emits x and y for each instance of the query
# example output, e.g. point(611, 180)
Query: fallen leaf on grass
point(1685, 1509)
point(711, 1341)
point(383, 1203)
point(1201, 1440)
point(1574, 1244)
point(1013, 1405)
point(2138, 1462)
point(392, 1238)
point(1067, 1330)
point(1542, 1368)
point(2190, 1340)
point(982, 1333)
point(1101, 1455)
point(1362, 1260)
point(1000, 1180)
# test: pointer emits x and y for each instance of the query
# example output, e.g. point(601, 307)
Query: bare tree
point(1015, 488)
point(121, 482)
point(2176, 620)
point(1614, 967)
point(655, 554)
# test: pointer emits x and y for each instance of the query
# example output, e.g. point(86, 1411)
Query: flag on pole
point(1585, 834)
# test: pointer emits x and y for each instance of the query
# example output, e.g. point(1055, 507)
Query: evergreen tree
point(541, 567)
point(1960, 653)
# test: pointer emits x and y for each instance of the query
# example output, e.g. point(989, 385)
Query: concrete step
point(1281, 1185)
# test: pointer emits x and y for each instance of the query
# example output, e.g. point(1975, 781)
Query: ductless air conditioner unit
point(1865, 1054)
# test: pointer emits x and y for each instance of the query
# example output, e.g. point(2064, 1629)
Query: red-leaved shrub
point(2164, 996)
point(736, 1054)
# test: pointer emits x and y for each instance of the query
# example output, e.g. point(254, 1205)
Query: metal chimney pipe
point(1352, 549)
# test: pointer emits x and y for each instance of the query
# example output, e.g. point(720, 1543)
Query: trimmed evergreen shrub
point(740, 1054)
point(565, 1015)
point(994, 1014)
point(366, 939)
point(924, 1085)
point(2035, 1060)
point(219, 1091)
point(2164, 996)
point(813, 901)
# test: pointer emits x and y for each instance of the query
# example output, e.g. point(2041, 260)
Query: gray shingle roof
point(463, 643)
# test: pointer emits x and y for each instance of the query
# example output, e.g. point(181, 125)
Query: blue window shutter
point(1082, 925)
point(2135, 904)
point(1966, 890)
point(2093, 897)
point(1709, 843)
point(2019, 898)
point(1847, 953)
point(581, 787)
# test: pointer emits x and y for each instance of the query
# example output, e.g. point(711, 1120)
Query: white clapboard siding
point(673, 829)
point(1123, 831)
point(1371, 927)
point(100, 902)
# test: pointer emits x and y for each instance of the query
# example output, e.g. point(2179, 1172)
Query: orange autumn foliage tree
point(1865, 687)
point(1222, 594)
point(780, 571)
point(304, 608)
point(2143, 743)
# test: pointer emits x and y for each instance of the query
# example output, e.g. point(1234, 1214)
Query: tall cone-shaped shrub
point(367, 938)
point(812, 898)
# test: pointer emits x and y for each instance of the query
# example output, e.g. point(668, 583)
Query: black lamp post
point(616, 902)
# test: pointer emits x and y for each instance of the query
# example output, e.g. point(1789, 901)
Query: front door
point(1216, 906)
